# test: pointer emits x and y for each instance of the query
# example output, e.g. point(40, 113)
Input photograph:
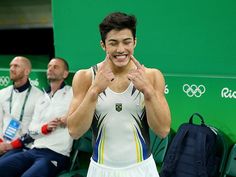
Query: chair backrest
point(223, 145)
point(158, 147)
point(83, 144)
point(230, 169)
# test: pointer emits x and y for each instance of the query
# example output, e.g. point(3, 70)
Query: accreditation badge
point(12, 128)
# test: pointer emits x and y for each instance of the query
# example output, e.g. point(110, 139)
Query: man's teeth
point(121, 56)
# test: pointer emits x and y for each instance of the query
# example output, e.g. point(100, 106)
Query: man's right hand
point(4, 147)
point(104, 76)
point(52, 125)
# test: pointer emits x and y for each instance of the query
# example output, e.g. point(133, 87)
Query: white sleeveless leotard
point(120, 129)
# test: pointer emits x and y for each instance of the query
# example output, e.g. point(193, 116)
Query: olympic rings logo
point(34, 82)
point(194, 90)
point(4, 81)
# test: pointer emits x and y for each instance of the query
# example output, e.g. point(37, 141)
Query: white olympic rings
point(194, 90)
point(4, 81)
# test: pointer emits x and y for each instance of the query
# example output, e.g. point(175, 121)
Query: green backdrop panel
point(192, 42)
point(197, 37)
point(37, 78)
point(214, 98)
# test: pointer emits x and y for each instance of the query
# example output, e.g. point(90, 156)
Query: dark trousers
point(33, 163)
point(13, 151)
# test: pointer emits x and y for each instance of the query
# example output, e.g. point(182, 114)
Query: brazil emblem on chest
point(118, 107)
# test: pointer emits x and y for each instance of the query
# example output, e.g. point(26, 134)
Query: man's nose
point(50, 68)
point(120, 48)
point(11, 68)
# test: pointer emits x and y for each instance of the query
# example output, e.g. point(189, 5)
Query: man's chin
point(52, 79)
point(13, 79)
point(121, 64)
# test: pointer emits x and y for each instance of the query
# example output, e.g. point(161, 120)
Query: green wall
point(37, 78)
point(213, 97)
point(191, 42)
point(197, 36)
point(37, 75)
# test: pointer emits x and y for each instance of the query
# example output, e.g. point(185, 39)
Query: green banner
point(214, 98)
point(37, 78)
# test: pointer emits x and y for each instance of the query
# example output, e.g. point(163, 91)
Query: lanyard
point(23, 107)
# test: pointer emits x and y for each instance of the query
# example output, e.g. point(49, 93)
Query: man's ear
point(65, 74)
point(103, 45)
point(27, 71)
point(135, 42)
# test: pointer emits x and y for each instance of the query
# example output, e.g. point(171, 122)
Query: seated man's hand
point(52, 125)
point(4, 147)
point(63, 121)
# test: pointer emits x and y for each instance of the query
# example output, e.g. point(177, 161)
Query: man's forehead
point(55, 62)
point(125, 33)
point(17, 61)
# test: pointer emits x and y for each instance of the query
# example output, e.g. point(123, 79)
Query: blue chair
point(223, 146)
point(159, 147)
point(80, 156)
point(230, 169)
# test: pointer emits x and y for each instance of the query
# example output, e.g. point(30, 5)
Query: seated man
point(17, 102)
point(50, 151)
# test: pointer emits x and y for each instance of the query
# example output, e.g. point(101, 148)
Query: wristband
point(45, 130)
point(16, 144)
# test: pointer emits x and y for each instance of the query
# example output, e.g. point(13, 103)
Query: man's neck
point(20, 83)
point(55, 85)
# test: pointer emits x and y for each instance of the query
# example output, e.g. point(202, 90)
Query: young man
point(52, 143)
point(119, 99)
point(17, 102)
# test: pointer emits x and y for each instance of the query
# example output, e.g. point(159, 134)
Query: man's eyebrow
point(127, 39)
point(115, 40)
point(13, 64)
point(112, 40)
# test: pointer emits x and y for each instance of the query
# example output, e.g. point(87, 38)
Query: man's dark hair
point(117, 21)
point(64, 61)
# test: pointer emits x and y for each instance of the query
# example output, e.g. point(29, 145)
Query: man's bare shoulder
point(82, 79)
point(83, 74)
point(156, 77)
point(154, 73)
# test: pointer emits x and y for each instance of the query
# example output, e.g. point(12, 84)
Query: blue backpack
point(192, 152)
